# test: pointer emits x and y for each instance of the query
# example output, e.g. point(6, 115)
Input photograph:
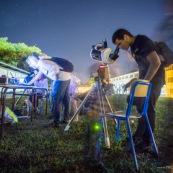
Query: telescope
point(102, 53)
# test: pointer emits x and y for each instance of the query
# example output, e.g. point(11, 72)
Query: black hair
point(119, 34)
point(36, 55)
point(43, 76)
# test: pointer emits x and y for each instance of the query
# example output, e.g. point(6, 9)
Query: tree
point(15, 53)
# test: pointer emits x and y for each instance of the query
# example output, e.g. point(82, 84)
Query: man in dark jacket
point(150, 67)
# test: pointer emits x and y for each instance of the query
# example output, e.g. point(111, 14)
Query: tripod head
point(101, 75)
point(103, 72)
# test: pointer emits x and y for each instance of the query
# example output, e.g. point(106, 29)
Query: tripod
point(101, 95)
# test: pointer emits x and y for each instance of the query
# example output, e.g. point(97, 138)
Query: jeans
point(61, 99)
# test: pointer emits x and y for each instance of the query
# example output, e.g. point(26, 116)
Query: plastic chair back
point(141, 89)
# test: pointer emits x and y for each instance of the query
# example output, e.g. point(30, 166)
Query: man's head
point(122, 38)
point(43, 56)
point(32, 60)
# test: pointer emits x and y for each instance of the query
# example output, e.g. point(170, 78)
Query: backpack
point(163, 49)
point(65, 64)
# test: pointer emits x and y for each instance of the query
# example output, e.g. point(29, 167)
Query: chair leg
point(118, 131)
point(152, 137)
point(132, 145)
point(41, 106)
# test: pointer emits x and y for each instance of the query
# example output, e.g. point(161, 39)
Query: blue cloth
point(61, 98)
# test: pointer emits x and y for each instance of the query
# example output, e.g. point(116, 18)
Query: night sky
point(68, 28)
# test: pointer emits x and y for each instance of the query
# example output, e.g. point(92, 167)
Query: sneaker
point(135, 137)
point(65, 121)
point(53, 124)
point(50, 117)
point(143, 145)
point(100, 167)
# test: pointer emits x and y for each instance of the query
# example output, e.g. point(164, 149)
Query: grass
point(32, 147)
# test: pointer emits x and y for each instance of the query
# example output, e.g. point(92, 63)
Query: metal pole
point(19, 98)
point(81, 105)
point(107, 141)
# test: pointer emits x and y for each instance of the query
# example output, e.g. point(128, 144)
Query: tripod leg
point(80, 107)
point(105, 128)
point(19, 99)
point(100, 92)
point(109, 105)
point(107, 100)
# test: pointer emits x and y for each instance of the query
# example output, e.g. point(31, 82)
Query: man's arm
point(155, 63)
point(35, 78)
point(130, 83)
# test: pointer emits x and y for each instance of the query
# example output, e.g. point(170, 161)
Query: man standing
point(150, 68)
point(59, 70)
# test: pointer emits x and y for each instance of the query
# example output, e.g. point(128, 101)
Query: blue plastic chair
point(140, 89)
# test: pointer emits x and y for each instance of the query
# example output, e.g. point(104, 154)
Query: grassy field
point(32, 147)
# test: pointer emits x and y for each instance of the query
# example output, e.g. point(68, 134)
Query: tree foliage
point(15, 53)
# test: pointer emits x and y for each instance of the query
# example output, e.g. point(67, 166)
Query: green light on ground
point(96, 127)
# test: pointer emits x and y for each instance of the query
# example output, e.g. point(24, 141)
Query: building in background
point(119, 81)
point(169, 81)
point(8, 72)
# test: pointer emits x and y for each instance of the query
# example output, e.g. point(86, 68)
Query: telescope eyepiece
point(115, 55)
